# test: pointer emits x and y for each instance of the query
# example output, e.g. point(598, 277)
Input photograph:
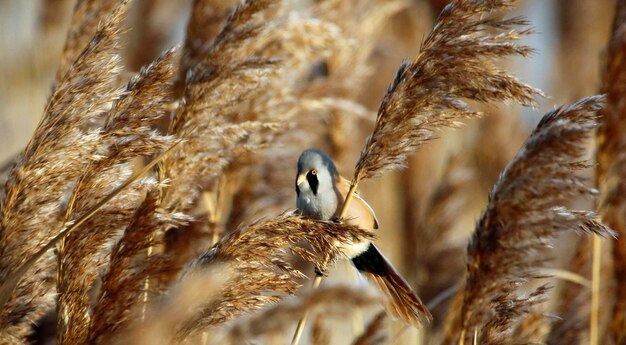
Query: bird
point(320, 193)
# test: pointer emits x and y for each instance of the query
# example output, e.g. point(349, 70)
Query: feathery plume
point(127, 134)
point(122, 285)
point(214, 87)
point(62, 145)
point(257, 254)
point(456, 61)
point(526, 209)
point(84, 25)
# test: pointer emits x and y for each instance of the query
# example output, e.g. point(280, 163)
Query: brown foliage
point(62, 145)
point(527, 207)
point(263, 273)
point(455, 62)
point(255, 82)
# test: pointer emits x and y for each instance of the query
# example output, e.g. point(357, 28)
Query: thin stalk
point(348, 200)
point(146, 286)
point(298, 334)
point(462, 337)
point(149, 251)
point(475, 341)
point(61, 309)
point(214, 217)
point(318, 278)
point(595, 291)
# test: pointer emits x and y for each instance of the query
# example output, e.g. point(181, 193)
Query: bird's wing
point(360, 212)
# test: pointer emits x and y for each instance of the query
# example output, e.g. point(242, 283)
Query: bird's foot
point(323, 272)
point(336, 220)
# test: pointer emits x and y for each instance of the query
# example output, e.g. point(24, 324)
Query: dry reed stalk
point(594, 320)
point(526, 209)
point(127, 134)
point(62, 145)
point(612, 165)
point(119, 299)
point(229, 72)
point(225, 75)
point(258, 256)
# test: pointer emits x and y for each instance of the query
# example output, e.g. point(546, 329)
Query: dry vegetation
point(156, 206)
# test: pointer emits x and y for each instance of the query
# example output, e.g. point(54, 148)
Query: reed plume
point(213, 86)
point(527, 208)
point(126, 134)
point(425, 95)
point(35, 192)
point(119, 302)
point(455, 62)
point(86, 18)
point(194, 252)
point(258, 256)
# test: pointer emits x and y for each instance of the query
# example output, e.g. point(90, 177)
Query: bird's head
point(315, 182)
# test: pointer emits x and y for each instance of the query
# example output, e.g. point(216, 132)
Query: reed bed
point(156, 204)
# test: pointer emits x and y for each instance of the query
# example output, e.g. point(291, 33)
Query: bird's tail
point(402, 301)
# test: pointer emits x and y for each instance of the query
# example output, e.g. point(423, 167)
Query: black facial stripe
point(313, 182)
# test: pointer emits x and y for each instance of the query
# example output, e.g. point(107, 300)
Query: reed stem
point(318, 278)
point(595, 291)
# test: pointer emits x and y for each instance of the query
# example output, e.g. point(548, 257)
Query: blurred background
point(426, 211)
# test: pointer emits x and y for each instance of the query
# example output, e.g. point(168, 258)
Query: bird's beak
point(300, 179)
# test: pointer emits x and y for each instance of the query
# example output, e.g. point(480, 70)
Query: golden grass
point(154, 206)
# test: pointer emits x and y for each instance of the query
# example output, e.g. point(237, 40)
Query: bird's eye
point(313, 181)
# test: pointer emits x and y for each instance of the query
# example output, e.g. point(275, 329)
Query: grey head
point(317, 195)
